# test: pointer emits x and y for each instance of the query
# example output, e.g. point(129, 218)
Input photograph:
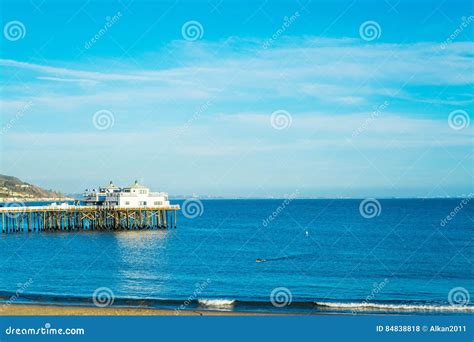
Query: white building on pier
point(134, 196)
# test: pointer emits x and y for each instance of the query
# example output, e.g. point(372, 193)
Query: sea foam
point(216, 302)
point(394, 307)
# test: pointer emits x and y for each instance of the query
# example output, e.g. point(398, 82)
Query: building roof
point(137, 185)
point(111, 185)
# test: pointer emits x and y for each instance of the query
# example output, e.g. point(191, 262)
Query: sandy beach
point(62, 310)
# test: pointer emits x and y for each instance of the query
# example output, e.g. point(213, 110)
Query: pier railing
point(76, 218)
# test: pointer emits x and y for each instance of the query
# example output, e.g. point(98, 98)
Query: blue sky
point(369, 98)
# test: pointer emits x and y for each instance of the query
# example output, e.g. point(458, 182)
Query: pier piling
point(86, 218)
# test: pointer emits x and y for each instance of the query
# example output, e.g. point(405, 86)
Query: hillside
point(13, 189)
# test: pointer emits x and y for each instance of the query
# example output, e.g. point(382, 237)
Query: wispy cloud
point(330, 87)
point(342, 71)
point(67, 80)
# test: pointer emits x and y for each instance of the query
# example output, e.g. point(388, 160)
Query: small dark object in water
point(260, 260)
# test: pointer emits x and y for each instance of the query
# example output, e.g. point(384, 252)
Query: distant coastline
point(205, 198)
point(35, 199)
point(75, 197)
point(12, 189)
point(183, 198)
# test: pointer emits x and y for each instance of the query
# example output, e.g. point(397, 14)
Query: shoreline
point(52, 309)
point(79, 310)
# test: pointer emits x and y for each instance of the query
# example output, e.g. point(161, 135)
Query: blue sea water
point(320, 256)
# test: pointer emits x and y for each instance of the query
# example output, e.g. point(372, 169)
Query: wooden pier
point(85, 218)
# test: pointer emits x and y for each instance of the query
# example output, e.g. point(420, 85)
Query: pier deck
point(77, 218)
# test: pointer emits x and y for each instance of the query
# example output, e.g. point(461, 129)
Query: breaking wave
point(393, 307)
point(221, 304)
point(216, 302)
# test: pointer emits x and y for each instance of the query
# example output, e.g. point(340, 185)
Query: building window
point(142, 203)
point(143, 192)
point(158, 203)
point(127, 203)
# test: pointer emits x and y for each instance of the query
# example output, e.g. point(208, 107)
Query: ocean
point(314, 256)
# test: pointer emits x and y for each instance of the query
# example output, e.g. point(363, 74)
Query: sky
point(240, 98)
